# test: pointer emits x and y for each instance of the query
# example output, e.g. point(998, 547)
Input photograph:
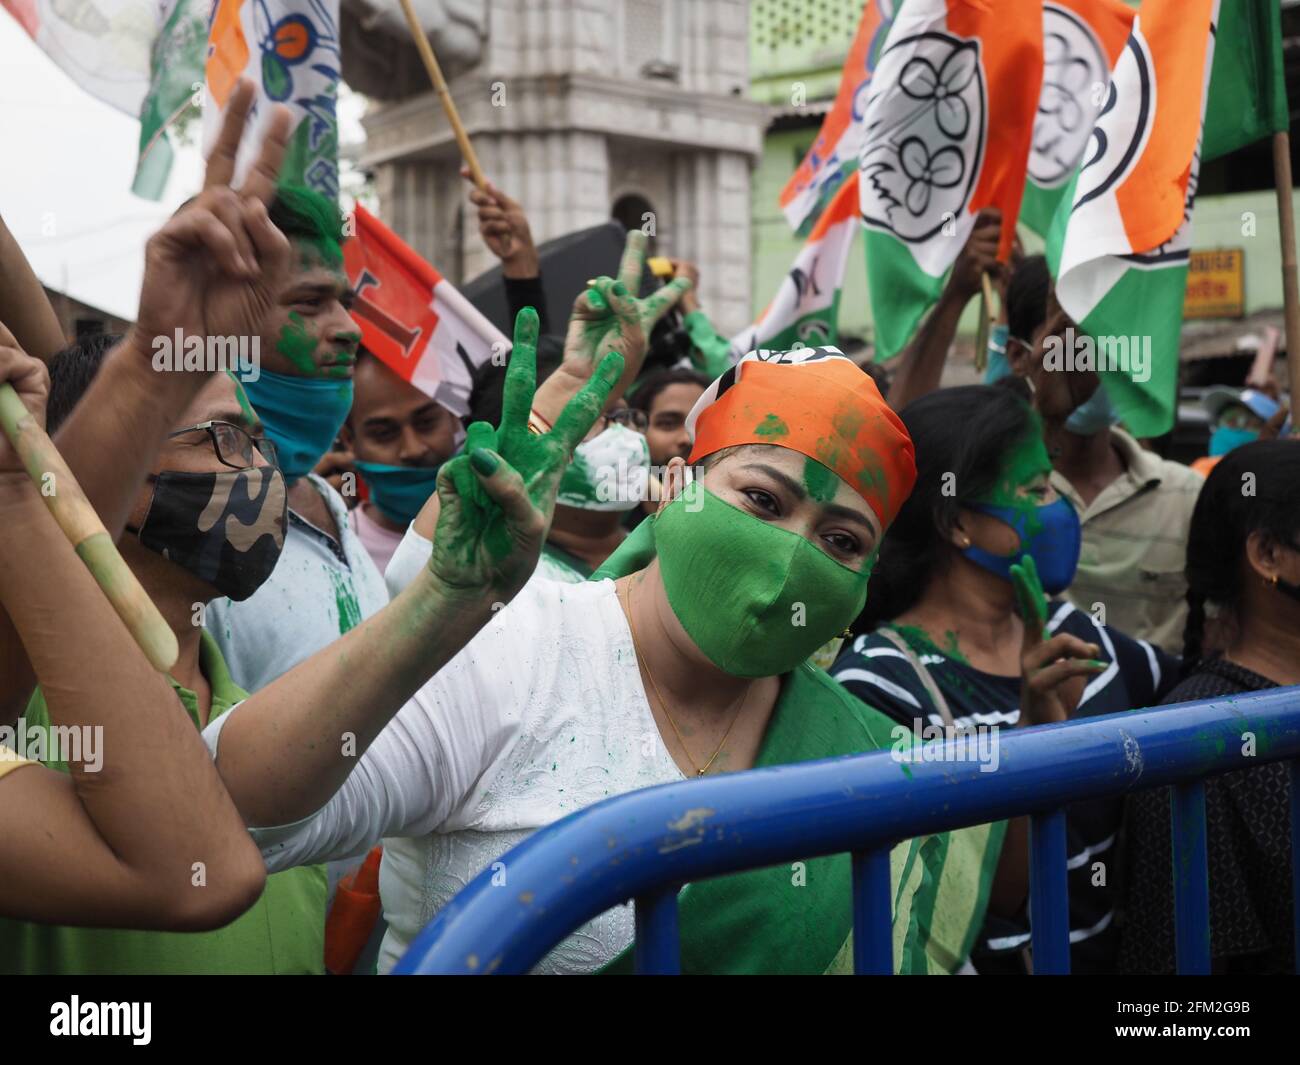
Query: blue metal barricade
point(646, 844)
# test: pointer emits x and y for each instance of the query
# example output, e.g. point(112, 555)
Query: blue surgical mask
point(1054, 546)
point(398, 491)
point(1093, 415)
point(1225, 439)
point(301, 415)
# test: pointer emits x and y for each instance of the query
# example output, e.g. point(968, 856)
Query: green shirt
point(284, 932)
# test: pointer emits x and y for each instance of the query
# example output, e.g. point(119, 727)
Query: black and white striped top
point(1138, 675)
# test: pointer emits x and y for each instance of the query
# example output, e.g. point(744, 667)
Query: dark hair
point(487, 386)
point(71, 371)
point(304, 215)
point(647, 389)
point(1027, 294)
point(1225, 516)
point(962, 436)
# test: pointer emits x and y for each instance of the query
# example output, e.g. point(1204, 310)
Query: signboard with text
point(1215, 284)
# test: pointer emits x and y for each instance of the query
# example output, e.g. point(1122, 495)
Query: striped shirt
point(1138, 675)
point(1135, 544)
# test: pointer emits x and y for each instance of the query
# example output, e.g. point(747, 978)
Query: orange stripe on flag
point(227, 50)
point(1152, 199)
point(1010, 33)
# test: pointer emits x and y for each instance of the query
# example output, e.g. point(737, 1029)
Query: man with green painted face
point(325, 582)
point(398, 437)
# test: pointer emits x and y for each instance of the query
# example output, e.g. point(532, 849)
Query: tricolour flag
point(142, 57)
point(1082, 41)
point(949, 121)
point(413, 319)
point(834, 154)
point(290, 50)
point(805, 309)
point(1248, 83)
point(1119, 246)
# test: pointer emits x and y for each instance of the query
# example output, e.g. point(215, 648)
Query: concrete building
point(583, 110)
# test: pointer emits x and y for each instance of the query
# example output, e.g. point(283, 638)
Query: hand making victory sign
point(215, 268)
point(609, 317)
point(490, 528)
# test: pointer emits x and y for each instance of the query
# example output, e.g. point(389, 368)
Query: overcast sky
point(65, 185)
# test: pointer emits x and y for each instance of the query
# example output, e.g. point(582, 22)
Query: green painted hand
point(609, 317)
point(497, 498)
point(1054, 670)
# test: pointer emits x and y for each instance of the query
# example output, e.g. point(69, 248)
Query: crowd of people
point(639, 560)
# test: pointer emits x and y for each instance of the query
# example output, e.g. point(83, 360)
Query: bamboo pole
point(1290, 286)
point(440, 87)
point(79, 522)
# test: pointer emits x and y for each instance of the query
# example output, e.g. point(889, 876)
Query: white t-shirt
point(541, 714)
point(320, 588)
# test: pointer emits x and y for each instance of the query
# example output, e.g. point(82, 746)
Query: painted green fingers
point(1029, 594)
point(581, 412)
point(521, 373)
point(632, 265)
point(661, 301)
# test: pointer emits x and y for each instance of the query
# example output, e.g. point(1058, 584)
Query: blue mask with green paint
point(1054, 544)
point(399, 491)
point(301, 415)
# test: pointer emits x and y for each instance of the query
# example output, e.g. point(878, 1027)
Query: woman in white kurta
point(694, 664)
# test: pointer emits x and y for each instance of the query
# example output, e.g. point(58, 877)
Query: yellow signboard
point(1215, 286)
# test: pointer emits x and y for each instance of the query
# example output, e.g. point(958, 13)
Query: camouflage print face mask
point(225, 528)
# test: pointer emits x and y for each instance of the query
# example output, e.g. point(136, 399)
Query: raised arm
point(141, 834)
point(24, 307)
point(921, 366)
point(213, 270)
point(289, 747)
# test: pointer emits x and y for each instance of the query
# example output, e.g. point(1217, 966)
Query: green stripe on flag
point(901, 292)
point(1247, 83)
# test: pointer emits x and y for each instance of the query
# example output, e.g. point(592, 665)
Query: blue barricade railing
point(646, 844)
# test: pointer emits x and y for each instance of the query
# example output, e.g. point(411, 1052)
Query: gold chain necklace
point(663, 703)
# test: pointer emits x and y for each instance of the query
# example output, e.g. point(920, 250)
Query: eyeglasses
point(628, 417)
point(233, 446)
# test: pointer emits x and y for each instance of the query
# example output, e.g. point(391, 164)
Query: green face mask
point(755, 598)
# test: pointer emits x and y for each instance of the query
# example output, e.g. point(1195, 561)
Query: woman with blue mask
point(959, 631)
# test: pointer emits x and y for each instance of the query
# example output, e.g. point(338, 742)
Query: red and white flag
point(413, 319)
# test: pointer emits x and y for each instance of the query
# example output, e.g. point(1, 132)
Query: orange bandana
point(819, 403)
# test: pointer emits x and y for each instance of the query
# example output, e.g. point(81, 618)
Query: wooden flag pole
point(448, 104)
point(79, 522)
point(1290, 285)
point(987, 314)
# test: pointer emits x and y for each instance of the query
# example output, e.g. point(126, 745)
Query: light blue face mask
point(1225, 439)
point(399, 491)
point(301, 415)
point(1093, 415)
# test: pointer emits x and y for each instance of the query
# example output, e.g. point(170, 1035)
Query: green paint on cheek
point(771, 427)
point(820, 482)
point(297, 344)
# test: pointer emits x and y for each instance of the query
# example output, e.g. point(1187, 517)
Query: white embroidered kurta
point(541, 714)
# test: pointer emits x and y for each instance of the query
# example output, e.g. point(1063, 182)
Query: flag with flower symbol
point(948, 126)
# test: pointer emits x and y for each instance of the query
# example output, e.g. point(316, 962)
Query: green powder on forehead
point(771, 427)
point(820, 482)
point(297, 344)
